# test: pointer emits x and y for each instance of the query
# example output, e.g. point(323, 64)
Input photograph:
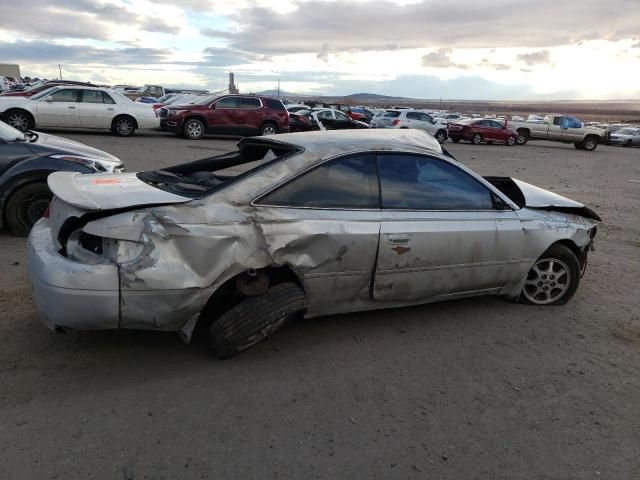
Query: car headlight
point(172, 112)
point(97, 164)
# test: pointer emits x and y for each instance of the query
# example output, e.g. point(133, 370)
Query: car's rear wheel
point(123, 126)
point(256, 318)
point(628, 143)
point(441, 136)
point(476, 139)
point(19, 119)
point(579, 145)
point(26, 206)
point(511, 141)
point(553, 279)
point(269, 128)
point(193, 129)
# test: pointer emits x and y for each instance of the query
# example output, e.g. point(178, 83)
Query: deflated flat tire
point(255, 319)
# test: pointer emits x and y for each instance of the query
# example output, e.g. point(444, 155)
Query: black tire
point(256, 318)
point(523, 137)
point(579, 146)
point(19, 119)
point(269, 128)
point(193, 129)
point(455, 140)
point(590, 143)
point(628, 143)
point(441, 136)
point(25, 207)
point(476, 139)
point(511, 141)
point(123, 126)
point(564, 258)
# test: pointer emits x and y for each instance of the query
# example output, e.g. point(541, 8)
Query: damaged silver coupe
point(311, 224)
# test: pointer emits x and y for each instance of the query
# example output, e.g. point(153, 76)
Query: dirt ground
point(478, 388)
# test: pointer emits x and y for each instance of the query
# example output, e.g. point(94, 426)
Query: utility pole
point(60, 70)
point(278, 88)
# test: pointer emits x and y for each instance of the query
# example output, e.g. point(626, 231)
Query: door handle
point(110, 108)
point(72, 108)
point(398, 239)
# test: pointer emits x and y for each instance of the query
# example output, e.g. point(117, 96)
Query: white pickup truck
point(559, 128)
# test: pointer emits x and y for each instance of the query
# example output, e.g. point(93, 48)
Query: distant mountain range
point(357, 97)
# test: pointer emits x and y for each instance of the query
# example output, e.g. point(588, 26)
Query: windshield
point(10, 134)
point(206, 100)
point(43, 93)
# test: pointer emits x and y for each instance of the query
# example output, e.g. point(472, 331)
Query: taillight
point(395, 122)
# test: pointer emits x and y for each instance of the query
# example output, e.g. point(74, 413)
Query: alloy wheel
point(269, 130)
point(547, 281)
point(19, 121)
point(194, 130)
point(441, 137)
point(124, 127)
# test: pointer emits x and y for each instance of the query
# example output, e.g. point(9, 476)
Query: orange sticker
point(105, 181)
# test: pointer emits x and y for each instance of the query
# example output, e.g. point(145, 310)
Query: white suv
point(414, 119)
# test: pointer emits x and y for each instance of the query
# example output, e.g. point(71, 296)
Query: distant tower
point(232, 84)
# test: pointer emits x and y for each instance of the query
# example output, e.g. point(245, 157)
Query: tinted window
point(347, 182)
point(494, 124)
point(482, 123)
point(413, 116)
point(341, 116)
point(248, 103)
point(557, 120)
point(276, 104)
point(66, 95)
point(325, 114)
point(426, 118)
point(392, 114)
point(92, 96)
point(227, 102)
point(422, 183)
point(570, 122)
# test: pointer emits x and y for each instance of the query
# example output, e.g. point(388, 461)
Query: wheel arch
point(21, 109)
point(580, 253)
point(120, 115)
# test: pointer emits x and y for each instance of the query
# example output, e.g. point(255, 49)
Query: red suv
point(227, 115)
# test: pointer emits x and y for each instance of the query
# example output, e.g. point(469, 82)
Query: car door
point(60, 109)
point(442, 233)
point(571, 130)
point(222, 118)
point(325, 224)
point(96, 109)
point(326, 118)
point(249, 115)
point(342, 121)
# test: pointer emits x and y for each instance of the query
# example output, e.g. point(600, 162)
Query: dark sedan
point(482, 131)
point(26, 160)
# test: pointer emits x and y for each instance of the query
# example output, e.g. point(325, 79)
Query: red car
point(40, 86)
point(485, 130)
point(244, 115)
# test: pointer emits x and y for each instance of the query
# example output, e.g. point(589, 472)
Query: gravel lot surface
point(478, 388)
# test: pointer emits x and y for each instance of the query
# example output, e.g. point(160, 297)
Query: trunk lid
point(107, 191)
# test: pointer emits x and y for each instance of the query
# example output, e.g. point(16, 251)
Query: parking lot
point(478, 388)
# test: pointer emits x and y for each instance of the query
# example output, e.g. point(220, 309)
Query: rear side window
point(393, 114)
point(92, 96)
point(249, 103)
point(346, 182)
point(275, 104)
point(227, 102)
point(413, 116)
point(106, 98)
point(414, 182)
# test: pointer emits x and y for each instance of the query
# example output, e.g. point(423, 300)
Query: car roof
point(329, 143)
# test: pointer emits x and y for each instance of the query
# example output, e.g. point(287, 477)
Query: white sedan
point(78, 107)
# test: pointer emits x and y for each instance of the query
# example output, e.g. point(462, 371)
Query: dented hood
point(107, 191)
point(524, 194)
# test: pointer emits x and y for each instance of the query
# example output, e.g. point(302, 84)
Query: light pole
point(60, 70)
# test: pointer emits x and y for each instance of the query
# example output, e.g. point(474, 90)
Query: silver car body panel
point(169, 259)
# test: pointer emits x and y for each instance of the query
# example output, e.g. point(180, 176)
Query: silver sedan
point(627, 137)
point(311, 224)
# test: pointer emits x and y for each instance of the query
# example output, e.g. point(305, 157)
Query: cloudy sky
point(467, 49)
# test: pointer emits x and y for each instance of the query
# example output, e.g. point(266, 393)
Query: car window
point(278, 105)
point(227, 102)
point(423, 183)
point(325, 114)
point(413, 116)
point(426, 117)
point(481, 123)
point(557, 120)
point(92, 96)
point(155, 91)
point(65, 95)
point(494, 124)
point(248, 103)
point(106, 98)
point(341, 116)
point(393, 114)
point(571, 122)
point(346, 182)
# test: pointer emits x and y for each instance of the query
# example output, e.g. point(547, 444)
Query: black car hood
point(47, 145)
